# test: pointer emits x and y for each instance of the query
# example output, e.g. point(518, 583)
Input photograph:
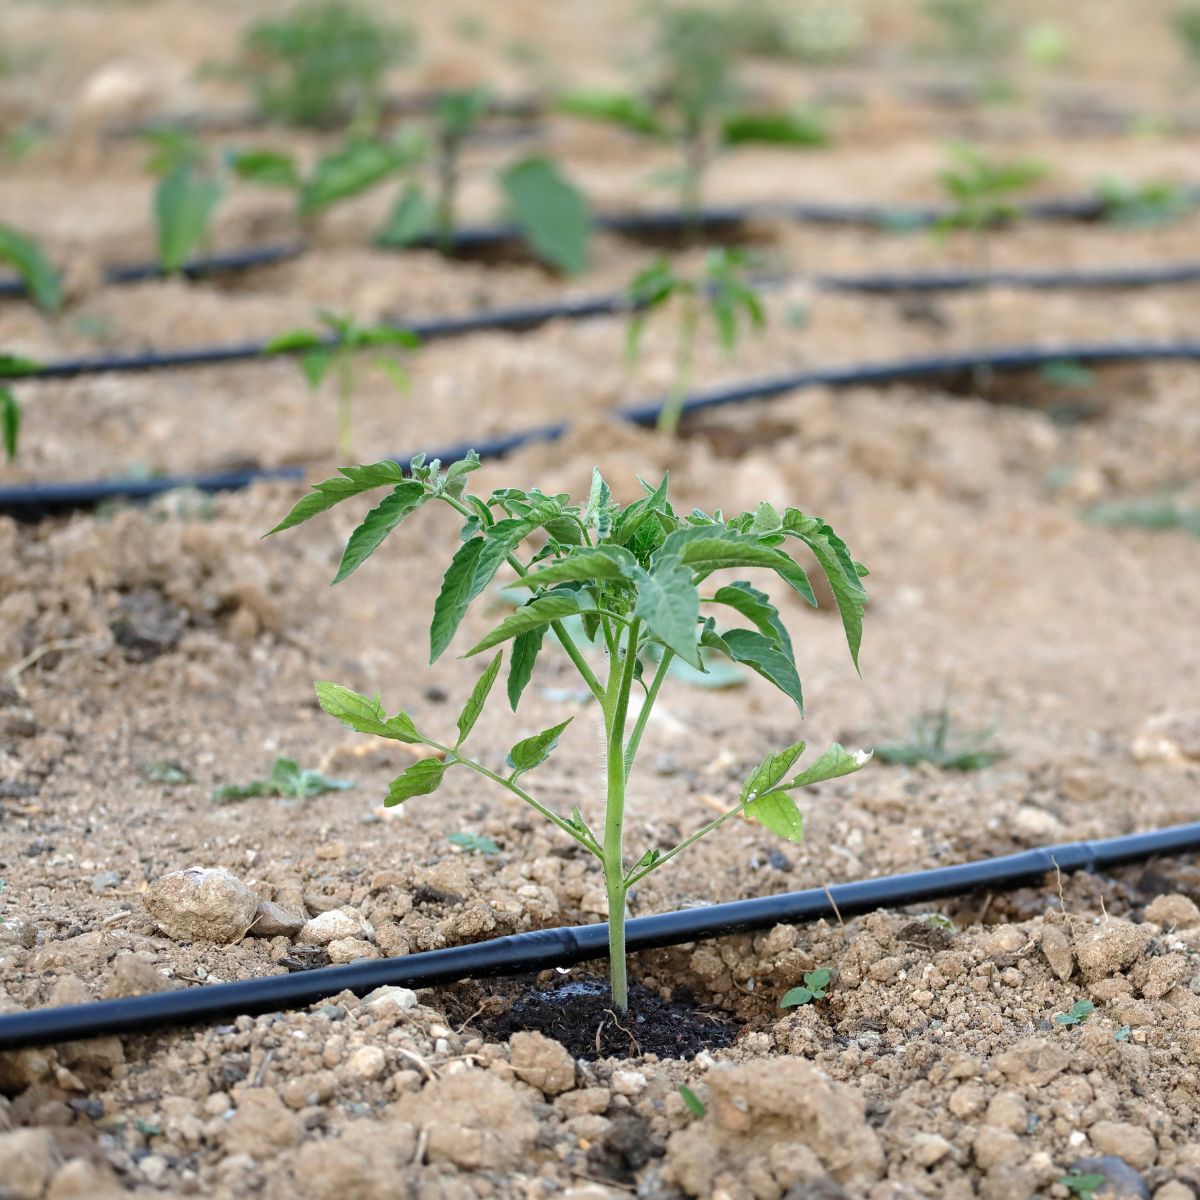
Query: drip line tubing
point(28, 502)
point(523, 317)
point(540, 950)
point(647, 224)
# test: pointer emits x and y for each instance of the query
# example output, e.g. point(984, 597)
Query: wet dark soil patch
point(579, 1013)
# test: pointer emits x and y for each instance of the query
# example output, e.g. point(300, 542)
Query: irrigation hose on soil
point(523, 953)
point(31, 501)
point(531, 316)
point(651, 223)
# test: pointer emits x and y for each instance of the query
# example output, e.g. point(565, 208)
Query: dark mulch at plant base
point(579, 1013)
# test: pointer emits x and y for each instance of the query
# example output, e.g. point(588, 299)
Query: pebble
point(16, 931)
point(927, 1149)
point(384, 999)
point(208, 904)
point(1056, 947)
point(28, 1159)
point(133, 975)
point(1174, 1190)
point(1173, 910)
point(271, 920)
point(542, 1062)
point(105, 880)
point(628, 1083)
point(1135, 1143)
point(338, 924)
point(367, 1062)
point(348, 950)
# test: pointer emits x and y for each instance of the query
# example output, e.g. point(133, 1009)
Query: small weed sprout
point(695, 1105)
point(816, 984)
point(696, 102)
point(1083, 1184)
point(1142, 205)
point(550, 212)
point(933, 741)
point(322, 64)
point(34, 268)
point(10, 407)
point(338, 348)
point(721, 288)
point(635, 576)
point(473, 842)
point(1155, 514)
point(287, 779)
point(1076, 1014)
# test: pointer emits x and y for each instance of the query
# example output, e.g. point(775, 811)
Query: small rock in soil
point(542, 1063)
point(202, 904)
point(270, 920)
point(1123, 1182)
point(16, 931)
point(147, 625)
point(28, 1160)
point(1173, 911)
point(338, 924)
point(134, 976)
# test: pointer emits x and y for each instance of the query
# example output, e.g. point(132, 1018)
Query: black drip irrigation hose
point(523, 953)
point(531, 316)
point(648, 224)
point(29, 502)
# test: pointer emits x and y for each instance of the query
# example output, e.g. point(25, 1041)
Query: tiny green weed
point(934, 741)
point(695, 1105)
point(1155, 514)
point(287, 779)
point(166, 772)
point(721, 289)
point(1084, 1185)
point(473, 842)
point(635, 576)
point(1142, 205)
point(338, 347)
point(1076, 1014)
point(816, 985)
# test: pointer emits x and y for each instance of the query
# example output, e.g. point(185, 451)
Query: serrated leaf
point(377, 524)
point(354, 481)
point(537, 614)
point(770, 771)
point(769, 657)
point(364, 714)
point(605, 564)
point(756, 607)
point(669, 604)
point(477, 699)
point(455, 596)
point(534, 751)
point(835, 762)
point(26, 257)
point(551, 212)
point(183, 206)
point(840, 569)
point(422, 778)
point(525, 649)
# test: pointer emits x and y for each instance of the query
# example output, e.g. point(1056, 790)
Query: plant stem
point(668, 419)
point(617, 709)
point(638, 876)
point(639, 726)
point(345, 372)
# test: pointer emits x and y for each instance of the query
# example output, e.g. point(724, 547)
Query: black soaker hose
point(651, 223)
point(531, 316)
point(31, 501)
point(527, 952)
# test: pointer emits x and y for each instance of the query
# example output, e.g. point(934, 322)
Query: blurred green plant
point(1154, 514)
point(287, 779)
point(10, 408)
point(816, 31)
point(1185, 24)
point(33, 267)
point(338, 347)
point(932, 740)
point(323, 64)
point(1124, 202)
point(721, 288)
point(978, 30)
point(816, 985)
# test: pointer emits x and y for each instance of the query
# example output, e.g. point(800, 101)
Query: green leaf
point(815, 985)
point(840, 569)
point(183, 207)
point(268, 168)
point(288, 778)
point(535, 615)
point(473, 841)
point(13, 365)
point(551, 212)
point(617, 108)
point(774, 809)
point(294, 339)
point(834, 763)
point(525, 650)
point(422, 778)
point(10, 422)
point(377, 524)
point(348, 172)
point(412, 218)
point(333, 491)
point(477, 699)
point(668, 602)
point(770, 771)
point(778, 128)
point(315, 364)
point(455, 596)
point(769, 657)
point(694, 1104)
point(756, 607)
point(534, 751)
point(1076, 1014)
point(605, 564)
point(26, 257)
point(365, 715)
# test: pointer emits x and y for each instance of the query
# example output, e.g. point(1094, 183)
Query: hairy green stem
point(621, 673)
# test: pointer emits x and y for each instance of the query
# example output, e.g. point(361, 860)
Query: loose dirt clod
point(207, 904)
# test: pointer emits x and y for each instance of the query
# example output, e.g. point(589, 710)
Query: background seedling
point(637, 575)
point(974, 31)
point(933, 741)
point(166, 772)
point(812, 32)
point(696, 101)
point(1163, 512)
point(1076, 1014)
point(288, 779)
point(187, 194)
point(473, 842)
point(29, 261)
point(338, 348)
point(1083, 1185)
point(1142, 204)
point(1185, 23)
point(549, 210)
point(323, 63)
point(721, 289)
point(816, 984)
point(10, 408)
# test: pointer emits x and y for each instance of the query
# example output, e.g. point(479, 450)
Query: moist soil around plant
point(579, 1014)
point(151, 655)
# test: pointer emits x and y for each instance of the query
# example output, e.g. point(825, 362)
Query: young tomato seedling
point(338, 348)
point(635, 576)
point(10, 408)
point(816, 985)
point(695, 102)
point(721, 288)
